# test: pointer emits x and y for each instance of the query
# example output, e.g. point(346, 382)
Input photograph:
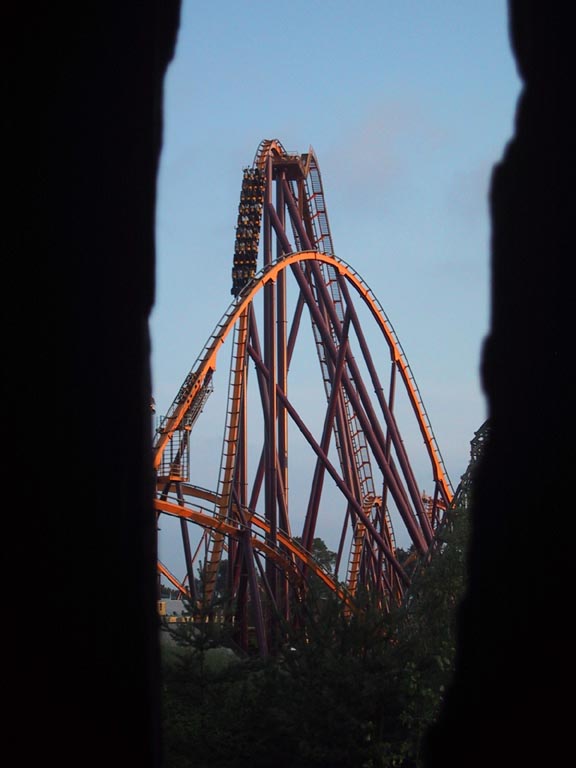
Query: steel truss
point(362, 479)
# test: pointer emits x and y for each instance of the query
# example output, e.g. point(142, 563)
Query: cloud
point(382, 148)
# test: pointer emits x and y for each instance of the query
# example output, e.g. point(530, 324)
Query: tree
point(426, 628)
point(320, 552)
point(348, 690)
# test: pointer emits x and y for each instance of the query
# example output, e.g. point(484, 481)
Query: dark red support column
point(389, 418)
point(367, 420)
point(270, 487)
point(319, 471)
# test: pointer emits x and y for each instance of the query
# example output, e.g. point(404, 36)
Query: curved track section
point(325, 434)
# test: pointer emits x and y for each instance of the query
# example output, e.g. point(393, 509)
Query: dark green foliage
point(323, 556)
point(355, 691)
point(427, 630)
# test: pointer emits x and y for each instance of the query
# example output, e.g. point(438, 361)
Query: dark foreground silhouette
point(82, 105)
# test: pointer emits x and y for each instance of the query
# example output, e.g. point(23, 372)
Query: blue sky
point(408, 105)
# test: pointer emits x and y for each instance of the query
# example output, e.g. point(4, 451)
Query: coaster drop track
point(325, 433)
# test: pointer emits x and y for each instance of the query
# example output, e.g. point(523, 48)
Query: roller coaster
point(325, 433)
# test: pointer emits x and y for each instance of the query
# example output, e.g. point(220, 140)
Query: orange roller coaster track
point(325, 432)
